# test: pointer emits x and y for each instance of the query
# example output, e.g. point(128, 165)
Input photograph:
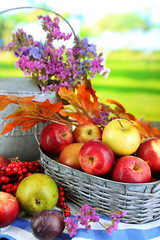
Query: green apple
point(121, 136)
point(37, 192)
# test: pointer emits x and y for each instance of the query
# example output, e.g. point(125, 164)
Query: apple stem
point(121, 125)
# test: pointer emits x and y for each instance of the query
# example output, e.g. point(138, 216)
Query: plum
point(47, 224)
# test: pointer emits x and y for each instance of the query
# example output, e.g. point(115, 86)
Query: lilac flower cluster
point(86, 215)
point(104, 118)
point(115, 218)
point(51, 67)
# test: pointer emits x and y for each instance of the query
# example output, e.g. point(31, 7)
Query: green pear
point(37, 192)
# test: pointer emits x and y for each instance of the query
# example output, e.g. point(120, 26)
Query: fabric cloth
point(20, 230)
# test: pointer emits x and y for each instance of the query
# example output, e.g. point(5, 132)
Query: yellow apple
point(121, 136)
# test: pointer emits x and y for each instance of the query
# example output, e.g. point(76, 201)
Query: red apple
point(149, 151)
point(55, 137)
point(3, 163)
point(121, 136)
point(86, 132)
point(96, 158)
point(70, 155)
point(9, 209)
point(131, 169)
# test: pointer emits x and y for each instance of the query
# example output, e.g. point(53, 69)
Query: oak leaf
point(30, 112)
point(82, 107)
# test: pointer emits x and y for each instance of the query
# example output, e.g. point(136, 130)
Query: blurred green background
point(125, 37)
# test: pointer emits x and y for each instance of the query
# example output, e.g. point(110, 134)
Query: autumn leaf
point(146, 129)
point(5, 100)
point(81, 107)
point(83, 110)
point(30, 112)
point(118, 110)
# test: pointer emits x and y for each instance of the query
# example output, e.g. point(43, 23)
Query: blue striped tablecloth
point(20, 230)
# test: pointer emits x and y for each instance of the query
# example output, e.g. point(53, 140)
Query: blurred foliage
point(118, 22)
point(7, 24)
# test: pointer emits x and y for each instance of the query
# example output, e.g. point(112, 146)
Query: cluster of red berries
point(62, 204)
point(12, 174)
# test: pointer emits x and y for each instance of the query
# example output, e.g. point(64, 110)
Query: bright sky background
point(94, 10)
point(91, 9)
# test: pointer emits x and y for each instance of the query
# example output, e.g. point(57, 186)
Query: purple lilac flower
point(71, 225)
point(85, 43)
point(96, 66)
point(48, 61)
point(87, 215)
point(92, 49)
point(36, 52)
point(55, 87)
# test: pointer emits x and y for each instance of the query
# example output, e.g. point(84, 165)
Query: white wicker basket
point(140, 201)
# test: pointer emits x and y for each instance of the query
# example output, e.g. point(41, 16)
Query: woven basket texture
point(140, 201)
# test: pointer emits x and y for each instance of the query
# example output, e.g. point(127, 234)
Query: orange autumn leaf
point(29, 113)
point(81, 107)
point(119, 110)
point(5, 100)
point(146, 129)
point(83, 110)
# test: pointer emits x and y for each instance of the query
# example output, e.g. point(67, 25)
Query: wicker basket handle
point(35, 134)
point(7, 10)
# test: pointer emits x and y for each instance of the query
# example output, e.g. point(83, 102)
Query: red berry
point(60, 188)
point(15, 169)
point(8, 190)
point(8, 170)
point(20, 178)
point(21, 163)
point(9, 185)
point(15, 186)
point(26, 164)
point(1, 165)
point(64, 206)
point(68, 208)
point(29, 173)
point(61, 203)
point(4, 187)
point(62, 199)
point(37, 164)
point(61, 193)
point(67, 214)
point(7, 180)
point(20, 172)
point(3, 178)
point(24, 170)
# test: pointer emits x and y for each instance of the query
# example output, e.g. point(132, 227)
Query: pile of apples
point(117, 152)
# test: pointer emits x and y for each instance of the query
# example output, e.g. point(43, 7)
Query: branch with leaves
point(82, 107)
